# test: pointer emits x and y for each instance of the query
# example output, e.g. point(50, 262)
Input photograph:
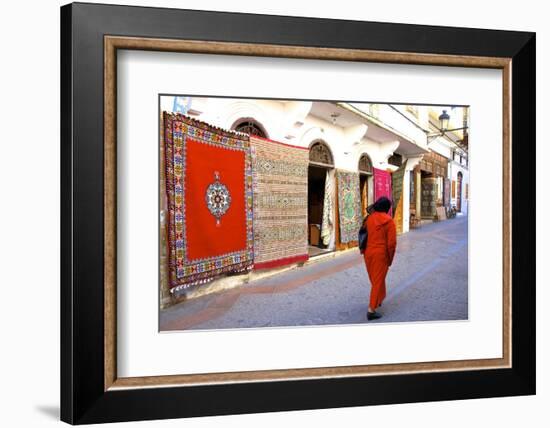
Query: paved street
point(428, 281)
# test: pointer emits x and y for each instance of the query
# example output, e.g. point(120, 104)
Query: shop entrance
point(459, 192)
point(320, 203)
point(433, 170)
point(428, 197)
point(316, 198)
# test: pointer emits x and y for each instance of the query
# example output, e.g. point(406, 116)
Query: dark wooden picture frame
point(90, 389)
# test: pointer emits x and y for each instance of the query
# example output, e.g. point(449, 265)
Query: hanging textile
point(209, 192)
point(382, 185)
point(328, 215)
point(280, 203)
point(349, 205)
point(398, 182)
point(364, 198)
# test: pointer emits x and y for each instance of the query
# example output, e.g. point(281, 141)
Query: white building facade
point(453, 146)
point(381, 136)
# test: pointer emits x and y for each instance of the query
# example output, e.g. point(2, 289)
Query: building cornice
point(379, 123)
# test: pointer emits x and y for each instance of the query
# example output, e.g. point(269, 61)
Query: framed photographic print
point(265, 213)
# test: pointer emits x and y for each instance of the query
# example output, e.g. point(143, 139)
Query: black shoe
point(373, 315)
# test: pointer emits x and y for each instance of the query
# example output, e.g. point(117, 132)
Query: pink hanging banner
point(382, 185)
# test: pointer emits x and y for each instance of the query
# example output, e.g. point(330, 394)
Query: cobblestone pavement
point(428, 281)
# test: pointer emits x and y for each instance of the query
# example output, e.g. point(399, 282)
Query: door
point(316, 195)
point(459, 193)
point(428, 197)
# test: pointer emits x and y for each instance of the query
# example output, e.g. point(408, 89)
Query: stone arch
point(250, 126)
point(239, 111)
point(320, 154)
point(365, 164)
point(366, 183)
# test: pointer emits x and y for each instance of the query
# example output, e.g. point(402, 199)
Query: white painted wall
point(442, 146)
point(396, 120)
point(279, 120)
point(454, 169)
point(292, 123)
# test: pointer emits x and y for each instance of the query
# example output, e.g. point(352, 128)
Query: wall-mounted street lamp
point(443, 126)
point(444, 120)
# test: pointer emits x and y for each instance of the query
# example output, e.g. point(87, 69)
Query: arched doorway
point(365, 176)
point(251, 127)
point(320, 199)
point(459, 192)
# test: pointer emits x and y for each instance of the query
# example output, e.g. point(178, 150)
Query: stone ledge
point(234, 281)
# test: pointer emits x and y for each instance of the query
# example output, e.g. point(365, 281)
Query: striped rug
point(280, 203)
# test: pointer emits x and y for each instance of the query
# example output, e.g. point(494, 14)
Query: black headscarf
point(382, 204)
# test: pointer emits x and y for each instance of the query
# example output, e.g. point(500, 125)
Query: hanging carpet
point(382, 185)
point(280, 203)
point(349, 205)
point(209, 192)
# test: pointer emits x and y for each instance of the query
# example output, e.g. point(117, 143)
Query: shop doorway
point(428, 196)
point(459, 192)
point(320, 203)
point(316, 197)
point(433, 170)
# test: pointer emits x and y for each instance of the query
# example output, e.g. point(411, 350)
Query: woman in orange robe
point(381, 243)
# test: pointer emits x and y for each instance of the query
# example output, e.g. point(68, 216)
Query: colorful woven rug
point(280, 203)
point(349, 205)
point(209, 192)
point(382, 185)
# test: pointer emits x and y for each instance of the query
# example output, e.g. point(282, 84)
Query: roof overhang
point(383, 133)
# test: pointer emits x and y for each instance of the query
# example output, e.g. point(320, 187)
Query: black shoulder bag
point(363, 236)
